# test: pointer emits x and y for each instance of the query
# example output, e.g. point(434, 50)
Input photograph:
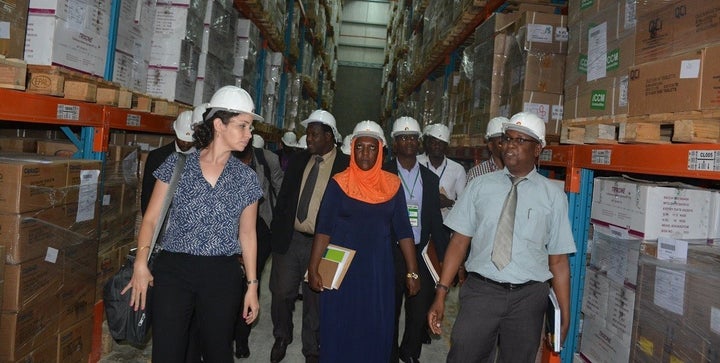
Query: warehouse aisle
point(261, 339)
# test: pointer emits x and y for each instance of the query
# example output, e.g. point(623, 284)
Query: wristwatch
point(413, 275)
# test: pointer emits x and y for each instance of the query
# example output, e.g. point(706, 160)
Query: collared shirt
point(411, 182)
point(452, 178)
point(487, 166)
point(308, 225)
point(542, 226)
point(204, 220)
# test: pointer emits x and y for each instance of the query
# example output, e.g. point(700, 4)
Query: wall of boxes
point(66, 225)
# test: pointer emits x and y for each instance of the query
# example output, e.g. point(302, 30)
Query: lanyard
point(442, 172)
point(411, 191)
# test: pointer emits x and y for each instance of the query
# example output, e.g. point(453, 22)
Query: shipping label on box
point(543, 33)
point(595, 295)
point(649, 210)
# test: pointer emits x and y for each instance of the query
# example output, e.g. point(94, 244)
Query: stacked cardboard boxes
point(176, 42)
point(133, 43)
point(13, 14)
point(676, 48)
point(247, 45)
point(219, 31)
point(70, 33)
point(49, 233)
point(600, 54)
point(676, 312)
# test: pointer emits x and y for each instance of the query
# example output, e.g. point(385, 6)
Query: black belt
point(504, 285)
point(308, 235)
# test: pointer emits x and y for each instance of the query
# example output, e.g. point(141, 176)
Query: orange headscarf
point(373, 186)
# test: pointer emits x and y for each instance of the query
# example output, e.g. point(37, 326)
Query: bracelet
point(252, 282)
point(441, 286)
point(143, 247)
point(413, 275)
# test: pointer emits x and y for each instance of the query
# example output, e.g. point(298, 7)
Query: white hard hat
point(232, 99)
point(302, 143)
point(494, 128)
point(527, 123)
point(438, 131)
point(405, 125)
point(183, 126)
point(323, 117)
point(258, 142)
point(289, 139)
point(198, 112)
point(369, 128)
point(347, 142)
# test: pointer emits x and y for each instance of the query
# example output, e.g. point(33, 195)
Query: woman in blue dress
point(363, 209)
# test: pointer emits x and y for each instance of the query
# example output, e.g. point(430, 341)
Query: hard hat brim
point(524, 130)
point(214, 110)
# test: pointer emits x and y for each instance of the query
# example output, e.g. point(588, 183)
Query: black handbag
point(124, 322)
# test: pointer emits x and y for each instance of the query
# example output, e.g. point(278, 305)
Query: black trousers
point(208, 288)
point(242, 330)
point(491, 314)
point(287, 273)
point(416, 307)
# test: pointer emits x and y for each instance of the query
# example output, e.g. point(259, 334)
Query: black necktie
point(302, 210)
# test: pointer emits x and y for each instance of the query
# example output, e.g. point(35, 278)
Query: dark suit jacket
point(431, 218)
point(283, 223)
point(154, 160)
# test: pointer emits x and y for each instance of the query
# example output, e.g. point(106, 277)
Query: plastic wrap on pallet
point(676, 313)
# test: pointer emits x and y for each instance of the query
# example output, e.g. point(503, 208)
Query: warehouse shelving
point(695, 161)
point(96, 120)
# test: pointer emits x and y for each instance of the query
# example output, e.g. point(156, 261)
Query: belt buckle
point(511, 286)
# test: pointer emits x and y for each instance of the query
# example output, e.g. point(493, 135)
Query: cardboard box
point(13, 19)
point(45, 353)
point(33, 234)
point(15, 144)
point(30, 281)
point(540, 73)
point(23, 332)
point(53, 41)
point(615, 256)
point(75, 343)
point(31, 184)
point(172, 85)
point(77, 300)
point(648, 210)
point(674, 28)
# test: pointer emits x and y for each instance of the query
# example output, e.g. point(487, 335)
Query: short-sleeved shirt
point(542, 226)
point(452, 178)
point(205, 220)
point(487, 166)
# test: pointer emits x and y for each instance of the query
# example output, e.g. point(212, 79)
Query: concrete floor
point(261, 339)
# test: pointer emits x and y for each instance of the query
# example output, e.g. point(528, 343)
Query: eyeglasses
point(243, 127)
point(519, 141)
point(407, 137)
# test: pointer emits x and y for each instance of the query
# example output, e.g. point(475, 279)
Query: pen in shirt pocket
point(529, 210)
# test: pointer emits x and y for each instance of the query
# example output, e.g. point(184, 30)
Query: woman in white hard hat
point(361, 209)
point(197, 273)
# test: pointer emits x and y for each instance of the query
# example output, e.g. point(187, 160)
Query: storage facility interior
point(628, 91)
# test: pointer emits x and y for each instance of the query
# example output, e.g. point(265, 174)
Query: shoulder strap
point(260, 155)
point(179, 164)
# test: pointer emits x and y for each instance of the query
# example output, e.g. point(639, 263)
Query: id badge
point(413, 213)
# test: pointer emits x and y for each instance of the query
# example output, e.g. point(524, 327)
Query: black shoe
point(242, 350)
point(278, 350)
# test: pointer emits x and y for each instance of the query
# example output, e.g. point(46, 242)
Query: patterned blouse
point(205, 220)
